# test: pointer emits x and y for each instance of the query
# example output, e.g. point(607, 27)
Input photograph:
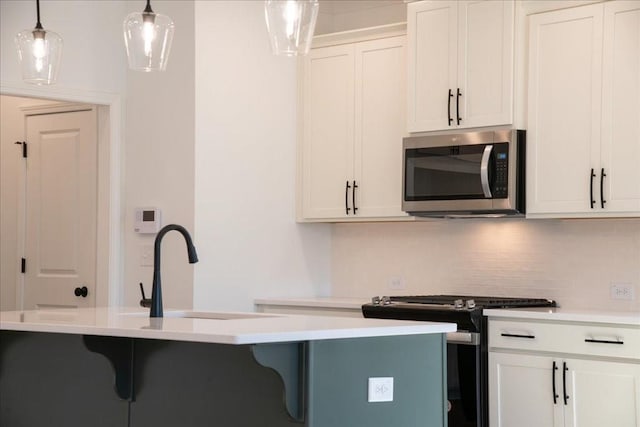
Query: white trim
point(360, 35)
point(109, 291)
point(58, 107)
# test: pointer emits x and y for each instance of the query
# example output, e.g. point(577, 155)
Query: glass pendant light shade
point(291, 24)
point(148, 37)
point(39, 52)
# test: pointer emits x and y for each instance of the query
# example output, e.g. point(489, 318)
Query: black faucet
point(156, 292)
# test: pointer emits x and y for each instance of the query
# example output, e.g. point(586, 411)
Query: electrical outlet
point(622, 291)
point(146, 256)
point(381, 389)
point(397, 283)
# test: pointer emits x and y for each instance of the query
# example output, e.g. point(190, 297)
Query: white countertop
point(320, 302)
point(567, 315)
point(229, 328)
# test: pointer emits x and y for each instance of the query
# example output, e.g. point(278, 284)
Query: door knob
point(81, 292)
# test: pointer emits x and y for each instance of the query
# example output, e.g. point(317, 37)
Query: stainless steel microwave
point(465, 174)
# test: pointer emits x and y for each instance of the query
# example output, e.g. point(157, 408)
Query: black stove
point(464, 310)
point(467, 349)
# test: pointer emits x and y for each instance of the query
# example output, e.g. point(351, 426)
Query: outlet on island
point(381, 389)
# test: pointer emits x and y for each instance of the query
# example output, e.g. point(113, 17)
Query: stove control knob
point(458, 303)
point(386, 300)
point(375, 300)
point(471, 303)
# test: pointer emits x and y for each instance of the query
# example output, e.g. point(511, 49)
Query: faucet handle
point(144, 302)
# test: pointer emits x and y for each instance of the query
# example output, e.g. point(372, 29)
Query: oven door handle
point(463, 337)
point(484, 171)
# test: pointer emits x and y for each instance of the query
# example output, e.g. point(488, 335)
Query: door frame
point(110, 250)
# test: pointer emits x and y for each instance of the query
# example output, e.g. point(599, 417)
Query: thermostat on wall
point(148, 220)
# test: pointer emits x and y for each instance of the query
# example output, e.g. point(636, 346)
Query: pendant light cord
point(38, 24)
point(146, 9)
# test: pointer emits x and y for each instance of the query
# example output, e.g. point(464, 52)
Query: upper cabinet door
point(460, 64)
point(432, 41)
point(621, 108)
point(327, 162)
point(380, 122)
point(485, 63)
point(563, 133)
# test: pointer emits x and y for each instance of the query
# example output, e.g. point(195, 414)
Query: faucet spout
point(156, 292)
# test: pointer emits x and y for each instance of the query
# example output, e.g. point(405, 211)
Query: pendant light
point(290, 24)
point(147, 37)
point(39, 52)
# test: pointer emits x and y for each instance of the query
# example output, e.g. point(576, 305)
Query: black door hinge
point(23, 265)
point(24, 147)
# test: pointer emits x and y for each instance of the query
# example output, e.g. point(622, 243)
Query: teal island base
point(54, 379)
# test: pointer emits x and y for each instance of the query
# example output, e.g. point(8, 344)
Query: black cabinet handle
point(564, 382)
point(591, 176)
point(353, 197)
point(449, 107)
point(603, 341)
point(81, 292)
point(458, 106)
point(553, 382)
point(519, 336)
point(346, 198)
point(602, 200)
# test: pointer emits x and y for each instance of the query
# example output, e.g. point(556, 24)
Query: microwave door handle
point(484, 171)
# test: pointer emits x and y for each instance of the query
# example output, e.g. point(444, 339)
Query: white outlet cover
point(381, 389)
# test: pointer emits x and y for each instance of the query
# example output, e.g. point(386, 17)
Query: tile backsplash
point(572, 261)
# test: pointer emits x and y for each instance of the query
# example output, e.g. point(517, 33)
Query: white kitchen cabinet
point(460, 64)
point(583, 148)
point(598, 393)
point(353, 123)
point(563, 374)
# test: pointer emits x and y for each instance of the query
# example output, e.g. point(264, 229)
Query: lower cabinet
point(533, 391)
point(546, 374)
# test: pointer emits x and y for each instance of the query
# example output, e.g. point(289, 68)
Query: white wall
point(159, 161)
point(572, 261)
point(246, 235)
point(93, 56)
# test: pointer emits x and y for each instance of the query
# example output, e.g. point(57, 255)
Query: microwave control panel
point(501, 180)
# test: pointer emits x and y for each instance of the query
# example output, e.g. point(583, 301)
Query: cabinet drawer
point(572, 338)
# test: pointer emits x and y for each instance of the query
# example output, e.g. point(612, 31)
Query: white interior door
point(60, 205)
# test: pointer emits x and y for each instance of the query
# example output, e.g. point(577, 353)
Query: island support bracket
point(288, 360)
point(120, 352)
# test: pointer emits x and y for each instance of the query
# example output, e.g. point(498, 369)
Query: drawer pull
point(603, 341)
point(518, 336)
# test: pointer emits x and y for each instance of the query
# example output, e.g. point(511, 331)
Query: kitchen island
point(118, 367)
